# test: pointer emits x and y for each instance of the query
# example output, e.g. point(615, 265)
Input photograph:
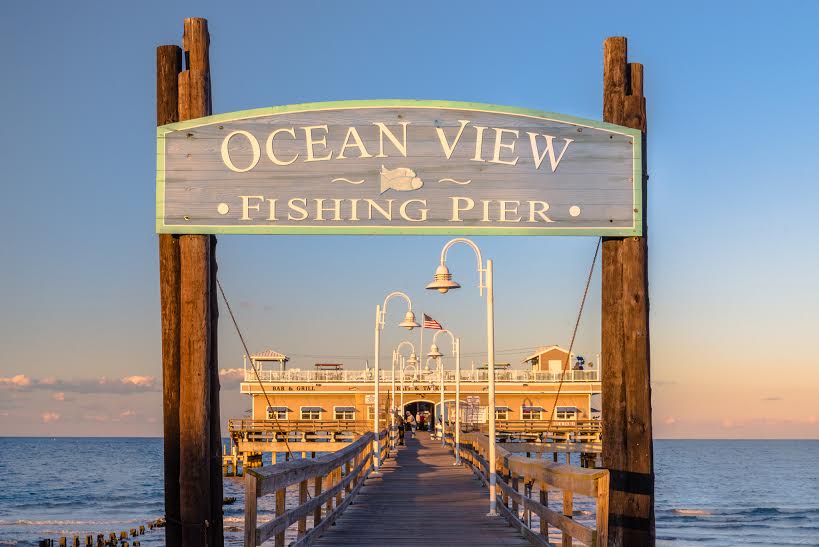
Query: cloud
point(49, 417)
point(19, 381)
point(774, 398)
point(231, 377)
point(670, 420)
point(142, 381)
point(124, 385)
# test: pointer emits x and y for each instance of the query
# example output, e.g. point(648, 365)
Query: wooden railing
point(514, 471)
point(270, 426)
point(336, 477)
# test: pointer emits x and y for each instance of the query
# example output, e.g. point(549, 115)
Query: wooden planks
point(421, 498)
point(344, 153)
point(627, 434)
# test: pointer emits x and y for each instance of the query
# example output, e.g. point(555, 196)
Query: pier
point(421, 493)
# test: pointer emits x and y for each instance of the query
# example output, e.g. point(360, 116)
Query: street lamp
point(456, 349)
point(443, 283)
point(408, 323)
point(396, 354)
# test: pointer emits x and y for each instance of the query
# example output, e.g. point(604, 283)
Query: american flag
point(430, 323)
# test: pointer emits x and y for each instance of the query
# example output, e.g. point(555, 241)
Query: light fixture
point(409, 322)
point(443, 280)
point(434, 352)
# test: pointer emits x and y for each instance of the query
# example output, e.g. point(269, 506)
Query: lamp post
point(396, 354)
point(443, 283)
point(409, 324)
point(456, 349)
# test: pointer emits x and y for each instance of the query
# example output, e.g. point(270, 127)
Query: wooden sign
point(398, 167)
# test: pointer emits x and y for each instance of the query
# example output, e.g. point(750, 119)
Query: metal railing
point(514, 471)
point(336, 478)
point(432, 376)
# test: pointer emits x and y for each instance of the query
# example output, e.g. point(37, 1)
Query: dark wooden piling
point(168, 67)
point(627, 434)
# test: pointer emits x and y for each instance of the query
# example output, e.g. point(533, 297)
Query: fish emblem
point(401, 179)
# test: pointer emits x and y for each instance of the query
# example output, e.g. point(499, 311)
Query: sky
point(733, 200)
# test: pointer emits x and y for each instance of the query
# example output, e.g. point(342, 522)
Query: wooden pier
point(421, 498)
point(419, 494)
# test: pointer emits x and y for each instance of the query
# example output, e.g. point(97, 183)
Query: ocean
point(714, 492)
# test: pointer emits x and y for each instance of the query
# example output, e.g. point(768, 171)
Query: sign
point(398, 167)
point(369, 399)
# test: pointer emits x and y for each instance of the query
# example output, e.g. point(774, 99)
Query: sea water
point(707, 492)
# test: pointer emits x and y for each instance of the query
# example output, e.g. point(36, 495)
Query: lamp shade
point(434, 352)
point(409, 322)
point(443, 280)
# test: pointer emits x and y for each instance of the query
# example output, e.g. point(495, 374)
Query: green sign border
point(161, 131)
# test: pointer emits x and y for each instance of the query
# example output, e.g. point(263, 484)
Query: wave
point(691, 512)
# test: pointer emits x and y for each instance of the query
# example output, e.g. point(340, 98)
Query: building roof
point(543, 350)
point(269, 355)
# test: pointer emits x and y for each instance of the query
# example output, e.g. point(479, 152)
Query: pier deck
point(421, 499)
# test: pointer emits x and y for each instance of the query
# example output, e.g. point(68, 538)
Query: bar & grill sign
point(398, 167)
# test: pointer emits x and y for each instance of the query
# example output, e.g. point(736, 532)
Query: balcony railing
point(432, 376)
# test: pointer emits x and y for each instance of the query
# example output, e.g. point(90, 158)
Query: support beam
point(168, 67)
point(200, 475)
point(627, 433)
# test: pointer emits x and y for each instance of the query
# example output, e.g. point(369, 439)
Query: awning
point(502, 408)
point(312, 408)
point(345, 409)
point(595, 409)
point(278, 409)
point(567, 409)
point(533, 408)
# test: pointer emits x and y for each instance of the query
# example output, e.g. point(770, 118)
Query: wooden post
point(302, 526)
point(168, 67)
point(568, 510)
point(316, 491)
point(627, 435)
point(200, 444)
point(280, 508)
point(544, 501)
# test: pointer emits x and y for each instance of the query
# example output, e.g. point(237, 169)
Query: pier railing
point(585, 431)
point(336, 477)
point(516, 471)
point(432, 376)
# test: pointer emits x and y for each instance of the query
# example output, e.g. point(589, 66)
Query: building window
point(566, 413)
point(502, 413)
point(277, 412)
point(531, 413)
point(344, 413)
point(370, 415)
point(310, 413)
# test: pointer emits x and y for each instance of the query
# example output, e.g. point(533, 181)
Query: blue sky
point(732, 93)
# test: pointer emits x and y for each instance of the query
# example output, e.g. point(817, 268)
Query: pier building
point(546, 398)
